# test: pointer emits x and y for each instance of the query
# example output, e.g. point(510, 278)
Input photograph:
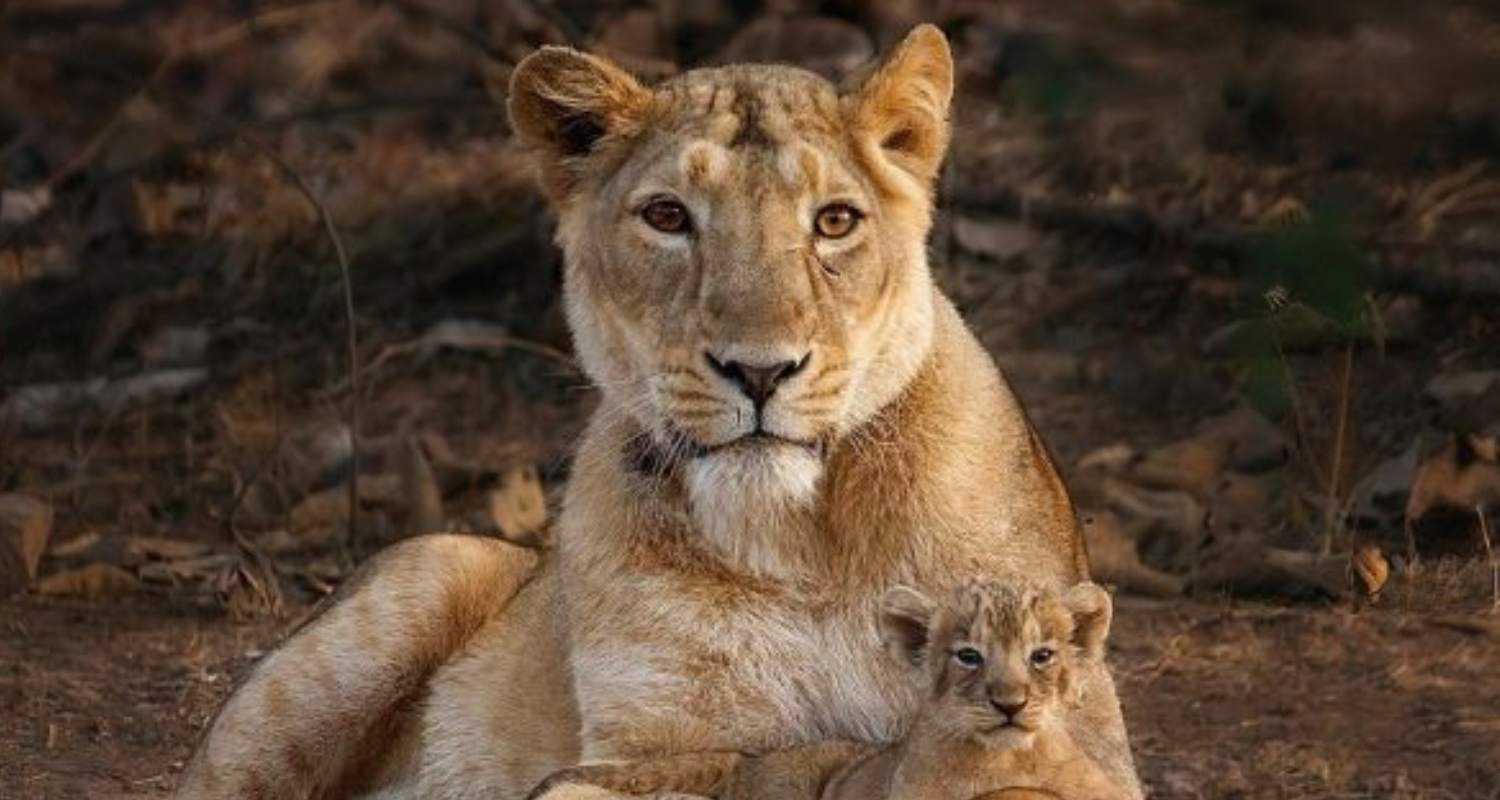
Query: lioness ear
point(1092, 611)
point(564, 103)
point(901, 110)
point(905, 623)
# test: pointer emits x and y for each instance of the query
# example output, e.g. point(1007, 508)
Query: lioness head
point(1000, 654)
point(745, 268)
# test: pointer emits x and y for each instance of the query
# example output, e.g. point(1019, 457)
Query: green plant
point(1312, 286)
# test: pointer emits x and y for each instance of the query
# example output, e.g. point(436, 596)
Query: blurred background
point(1241, 259)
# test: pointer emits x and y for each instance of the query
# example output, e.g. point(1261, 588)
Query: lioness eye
point(1042, 656)
point(836, 221)
point(667, 216)
point(968, 657)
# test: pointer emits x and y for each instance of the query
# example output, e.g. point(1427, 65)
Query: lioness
point(793, 417)
point(999, 658)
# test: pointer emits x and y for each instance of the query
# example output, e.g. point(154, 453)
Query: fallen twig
point(1472, 625)
point(1332, 519)
point(465, 335)
point(353, 345)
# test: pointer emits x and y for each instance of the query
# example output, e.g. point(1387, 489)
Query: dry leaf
point(1371, 568)
point(1111, 458)
point(93, 581)
point(1179, 511)
point(1113, 558)
point(423, 495)
point(18, 207)
point(519, 508)
point(330, 508)
point(76, 546)
point(189, 570)
point(159, 206)
point(1193, 464)
point(25, 526)
point(1284, 213)
point(142, 548)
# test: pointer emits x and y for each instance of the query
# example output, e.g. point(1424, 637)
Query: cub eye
point(968, 657)
point(1042, 656)
point(667, 216)
point(837, 220)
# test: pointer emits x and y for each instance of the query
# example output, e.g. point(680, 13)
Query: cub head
point(746, 277)
point(1000, 655)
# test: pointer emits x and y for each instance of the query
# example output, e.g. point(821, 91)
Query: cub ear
point(1092, 611)
point(905, 623)
point(564, 103)
point(901, 110)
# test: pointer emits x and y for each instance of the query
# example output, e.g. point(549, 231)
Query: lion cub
point(999, 657)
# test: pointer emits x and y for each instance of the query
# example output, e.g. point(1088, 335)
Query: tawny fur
point(960, 745)
point(708, 591)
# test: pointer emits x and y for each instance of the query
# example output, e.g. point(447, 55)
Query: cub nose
point(757, 381)
point(1009, 706)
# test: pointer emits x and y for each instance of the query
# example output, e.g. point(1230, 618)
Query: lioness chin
point(793, 419)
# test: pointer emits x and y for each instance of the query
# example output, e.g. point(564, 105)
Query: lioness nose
point(1009, 705)
point(757, 381)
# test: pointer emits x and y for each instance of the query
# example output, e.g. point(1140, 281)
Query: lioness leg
point(797, 773)
point(691, 773)
point(332, 696)
point(500, 716)
point(1098, 728)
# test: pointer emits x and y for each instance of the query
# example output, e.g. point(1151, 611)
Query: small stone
point(151, 386)
point(1453, 388)
point(18, 206)
point(1467, 400)
point(996, 239)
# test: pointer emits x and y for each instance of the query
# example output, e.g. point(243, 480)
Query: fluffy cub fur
point(1000, 661)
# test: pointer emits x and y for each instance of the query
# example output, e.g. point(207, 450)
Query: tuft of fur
point(741, 499)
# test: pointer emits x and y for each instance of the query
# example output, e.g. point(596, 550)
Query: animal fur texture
point(724, 539)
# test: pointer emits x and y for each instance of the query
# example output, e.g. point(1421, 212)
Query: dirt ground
point(1223, 700)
